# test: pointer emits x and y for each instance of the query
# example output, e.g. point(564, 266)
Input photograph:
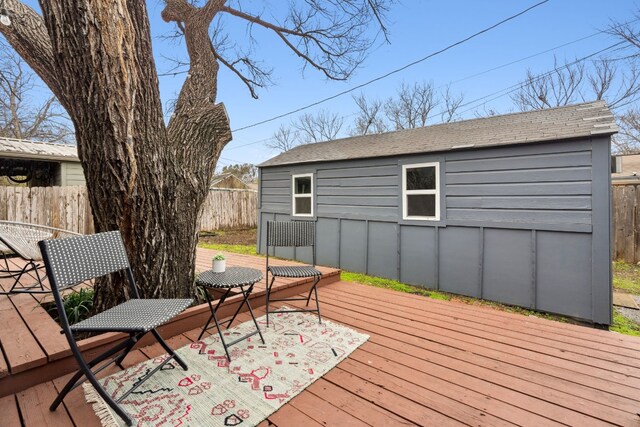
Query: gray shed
point(512, 208)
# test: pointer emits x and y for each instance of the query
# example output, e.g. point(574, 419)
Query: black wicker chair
point(76, 259)
point(292, 234)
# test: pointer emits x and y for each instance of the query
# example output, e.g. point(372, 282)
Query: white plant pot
point(219, 265)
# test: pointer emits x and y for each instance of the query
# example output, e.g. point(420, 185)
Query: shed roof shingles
point(574, 121)
point(24, 149)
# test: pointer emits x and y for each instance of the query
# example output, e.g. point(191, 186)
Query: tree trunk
point(142, 178)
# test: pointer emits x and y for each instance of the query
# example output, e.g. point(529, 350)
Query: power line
point(471, 76)
point(506, 90)
point(517, 86)
point(395, 71)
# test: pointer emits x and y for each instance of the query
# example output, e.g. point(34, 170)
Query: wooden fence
point(68, 208)
point(626, 222)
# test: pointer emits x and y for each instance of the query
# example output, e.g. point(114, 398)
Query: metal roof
point(35, 150)
point(574, 121)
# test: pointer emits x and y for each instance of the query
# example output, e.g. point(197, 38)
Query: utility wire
point(518, 86)
point(397, 70)
point(479, 74)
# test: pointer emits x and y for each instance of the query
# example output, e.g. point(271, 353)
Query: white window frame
point(406, 192)
point(294, 195)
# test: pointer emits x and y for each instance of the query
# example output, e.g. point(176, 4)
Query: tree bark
point(143, 179)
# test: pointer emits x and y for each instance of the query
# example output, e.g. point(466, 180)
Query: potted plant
point(219, 263)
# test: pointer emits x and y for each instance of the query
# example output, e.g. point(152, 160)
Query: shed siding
point(71, 173)
point(516, 223)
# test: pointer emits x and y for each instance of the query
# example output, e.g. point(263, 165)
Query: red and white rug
point(213, 392)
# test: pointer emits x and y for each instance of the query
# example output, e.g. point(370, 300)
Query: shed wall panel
point(353, 244)
point(566, 174)
point(328, 242)
point(418, 256)
point(563, 271)
point(545, 160)
point(521, 189)
point(459, 260)
point(519, 202)
point(383, 250)
point(507, 267)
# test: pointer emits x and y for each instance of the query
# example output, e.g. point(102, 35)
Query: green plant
point(78, 305)
point(219, 257)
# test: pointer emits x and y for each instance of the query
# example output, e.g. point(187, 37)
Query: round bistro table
point(233, 281)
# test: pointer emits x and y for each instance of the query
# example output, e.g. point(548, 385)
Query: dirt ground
point(230, 237)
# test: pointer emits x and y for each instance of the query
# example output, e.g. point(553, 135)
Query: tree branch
point(28, 35)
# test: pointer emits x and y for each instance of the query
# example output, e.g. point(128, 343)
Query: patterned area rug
point(213, 392)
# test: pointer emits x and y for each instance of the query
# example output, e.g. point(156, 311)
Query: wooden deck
point(33, 350)
point(429, 362)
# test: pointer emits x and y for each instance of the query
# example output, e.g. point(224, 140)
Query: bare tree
point(247, 172)
point(20, 117)
point(627, 141)
point(322, 126)
point(307, 129)
point(412, 106)
point(284, 139)
point(562, 86)
point(145, 178)
point(450, 106)
point(370, 116)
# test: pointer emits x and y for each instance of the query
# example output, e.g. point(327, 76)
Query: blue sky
point(417, 28)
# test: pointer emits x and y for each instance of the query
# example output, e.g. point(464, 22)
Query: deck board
point(9, 412)
point(448, 332)
point(431, 362)
point(20, 347)
point(509, 326)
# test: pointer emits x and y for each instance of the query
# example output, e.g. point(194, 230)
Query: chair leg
point(126, 351)
point(70, 385)
point(269, 297)
point(169, 349)
point(105, 396)
point(315, 289)
point(311, 291)
point(86, 371)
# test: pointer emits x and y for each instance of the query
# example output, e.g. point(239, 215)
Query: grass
point(624, 325)
point(238, 249)
point(379, 282)
point(626, 277)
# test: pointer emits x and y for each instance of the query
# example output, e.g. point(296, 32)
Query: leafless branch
point(413, 105)
point(369, 118)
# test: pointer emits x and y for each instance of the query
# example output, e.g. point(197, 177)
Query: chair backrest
point(291, 233)
point(23, 238)
point(76, 259)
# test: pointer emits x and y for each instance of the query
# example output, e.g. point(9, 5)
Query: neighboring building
point(625, 168)
point(40, 164)
point(512, 208)
point(228, 180)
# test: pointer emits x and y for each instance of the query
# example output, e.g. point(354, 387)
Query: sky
point(417, 28)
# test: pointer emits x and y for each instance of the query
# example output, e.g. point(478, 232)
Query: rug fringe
point(99, 406)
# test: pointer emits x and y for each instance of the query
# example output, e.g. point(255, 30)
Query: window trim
point(294, 195)
point(406, 192)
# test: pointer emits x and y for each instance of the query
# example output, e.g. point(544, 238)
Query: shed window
point(302, 194)
point(421, 191)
